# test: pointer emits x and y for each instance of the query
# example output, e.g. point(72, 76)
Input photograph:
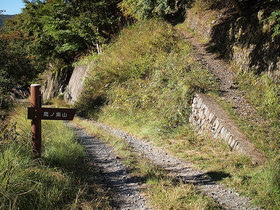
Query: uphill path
point(225, 75)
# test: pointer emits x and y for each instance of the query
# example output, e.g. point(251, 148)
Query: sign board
point(50, 113)
point(36, 113)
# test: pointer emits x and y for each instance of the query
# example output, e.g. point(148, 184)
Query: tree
point(143, 9)
point(63, 30)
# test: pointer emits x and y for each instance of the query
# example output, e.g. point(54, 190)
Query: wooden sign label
point(50, 113)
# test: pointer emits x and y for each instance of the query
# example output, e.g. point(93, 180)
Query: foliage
point(275, 15)
point(143, 9)
point(16, 67)
point(263, 92)
point(62, 30)
point(3, 17)
point(52, 34)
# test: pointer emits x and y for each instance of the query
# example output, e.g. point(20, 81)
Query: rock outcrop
point(76, 84)
point(247, 41)
point(55, 83)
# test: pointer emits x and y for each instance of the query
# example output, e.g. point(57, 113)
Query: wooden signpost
point(36, 113)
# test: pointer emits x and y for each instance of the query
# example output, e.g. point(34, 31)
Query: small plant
point(276, 17)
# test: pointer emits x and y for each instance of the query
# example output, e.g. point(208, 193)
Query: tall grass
point(45, 183)
point(262, 91)
point(148, 73)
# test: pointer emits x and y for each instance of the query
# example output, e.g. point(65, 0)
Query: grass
point(214, 157)
point(163, 190)
point(262, 92)
point(50, 182)
point(148, 73)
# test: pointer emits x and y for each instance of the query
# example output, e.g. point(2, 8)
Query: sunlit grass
point(146, 88)
point(49, 182)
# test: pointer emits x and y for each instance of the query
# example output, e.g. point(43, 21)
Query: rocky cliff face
point(65, 82)
point(247, 41)
point(76, 84)
point(55, 83)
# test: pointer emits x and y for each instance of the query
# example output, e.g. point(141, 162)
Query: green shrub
point(263, 92)
point(144, 9)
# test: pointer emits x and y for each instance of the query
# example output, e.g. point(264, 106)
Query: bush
point(144, 9)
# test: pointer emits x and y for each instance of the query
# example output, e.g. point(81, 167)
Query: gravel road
point(124, 190)
point(226, 198)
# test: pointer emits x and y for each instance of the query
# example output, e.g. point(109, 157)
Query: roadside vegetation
point(262, 91)
point(53, 181)
point(147, 76)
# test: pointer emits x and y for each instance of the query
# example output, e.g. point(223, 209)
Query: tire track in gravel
point(226, 198)
point(125, 191)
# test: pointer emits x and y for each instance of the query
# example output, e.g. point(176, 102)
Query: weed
point(147, 73)
point(144, 83)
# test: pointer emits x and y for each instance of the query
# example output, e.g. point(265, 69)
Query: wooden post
point(36, 123)
point(36, 113)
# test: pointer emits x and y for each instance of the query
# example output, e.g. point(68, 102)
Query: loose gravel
point(124, 190)
point(226, 198)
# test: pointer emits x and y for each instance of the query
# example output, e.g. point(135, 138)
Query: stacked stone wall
point(208, 116)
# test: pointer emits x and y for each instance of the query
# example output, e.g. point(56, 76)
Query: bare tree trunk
point(99, 48)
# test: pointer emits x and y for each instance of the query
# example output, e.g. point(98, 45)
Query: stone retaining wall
point(207, 115)
point(76, 84)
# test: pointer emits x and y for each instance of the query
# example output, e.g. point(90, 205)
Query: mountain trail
point(225, 75)
point(124, 190)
